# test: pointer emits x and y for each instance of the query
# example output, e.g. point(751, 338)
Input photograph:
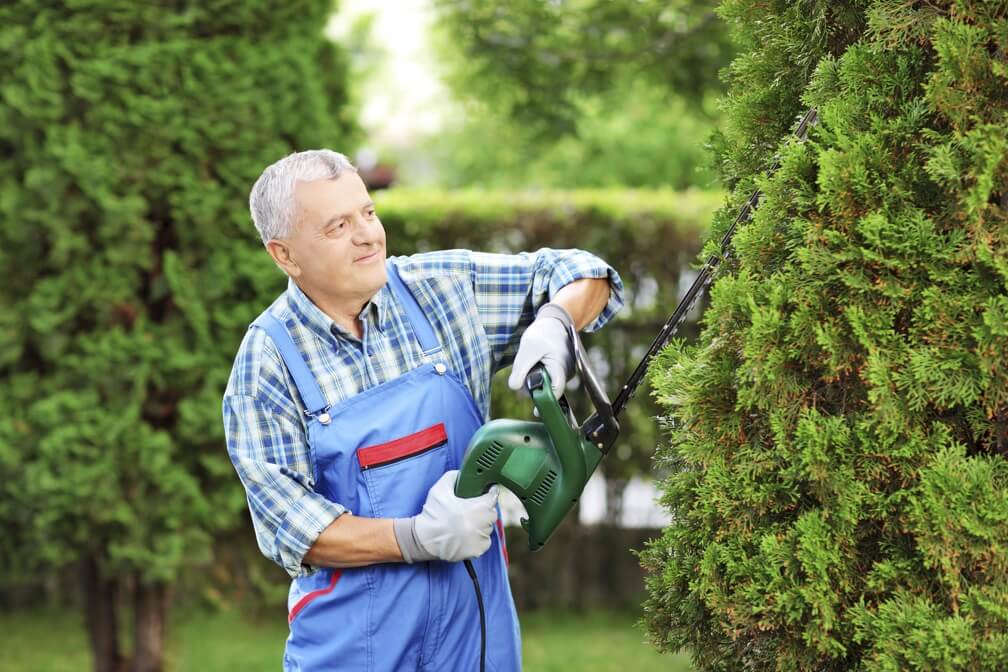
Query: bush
point(130, 134)
point(840, 431)
point(622, 223)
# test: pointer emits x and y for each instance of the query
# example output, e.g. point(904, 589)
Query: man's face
point(338, 245)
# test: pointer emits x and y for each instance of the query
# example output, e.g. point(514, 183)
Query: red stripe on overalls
point(397, 449)
point(303, 602)
point(500, 531)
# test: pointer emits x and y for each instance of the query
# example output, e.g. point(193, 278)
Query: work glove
point(449, 528)
point(546, 340)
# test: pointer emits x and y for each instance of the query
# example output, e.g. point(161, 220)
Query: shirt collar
point(315, 319)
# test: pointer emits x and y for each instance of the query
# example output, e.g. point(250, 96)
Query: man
point(348, 412)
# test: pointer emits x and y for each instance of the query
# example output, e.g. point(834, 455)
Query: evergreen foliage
point(839, 434)
point(130, 134)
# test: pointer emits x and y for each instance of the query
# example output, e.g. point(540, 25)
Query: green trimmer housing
point(545, 464)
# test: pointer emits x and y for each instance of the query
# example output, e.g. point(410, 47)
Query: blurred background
point(130, 134)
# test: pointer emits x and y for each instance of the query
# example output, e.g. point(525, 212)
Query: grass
point(591, 642)
point(226, 641)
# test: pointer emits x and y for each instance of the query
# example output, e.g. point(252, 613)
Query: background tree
point(623, 90)
point(130, 134)
point(536, 61)
point(840, 433)
point(634, 135)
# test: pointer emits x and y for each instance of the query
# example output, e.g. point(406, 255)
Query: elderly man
point(349, 409)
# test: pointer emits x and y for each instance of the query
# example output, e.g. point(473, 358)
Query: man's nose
point(366, 230)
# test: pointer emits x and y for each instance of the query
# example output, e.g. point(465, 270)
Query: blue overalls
point(378, 453)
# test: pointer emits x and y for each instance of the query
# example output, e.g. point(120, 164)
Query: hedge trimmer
point(547, 464)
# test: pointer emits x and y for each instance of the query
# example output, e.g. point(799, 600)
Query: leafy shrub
point(839, 433)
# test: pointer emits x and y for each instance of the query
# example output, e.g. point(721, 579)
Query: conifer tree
point(130, 134)
point(838, 442)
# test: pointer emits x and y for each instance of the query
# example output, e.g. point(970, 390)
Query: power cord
point(479, 601)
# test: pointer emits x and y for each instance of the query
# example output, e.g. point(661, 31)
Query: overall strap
point(422, 328)
point(308, 388)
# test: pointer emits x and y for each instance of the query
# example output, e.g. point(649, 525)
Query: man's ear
point(281, 253)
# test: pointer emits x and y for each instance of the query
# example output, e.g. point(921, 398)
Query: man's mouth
point(366, 258)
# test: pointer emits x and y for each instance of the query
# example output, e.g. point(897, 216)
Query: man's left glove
point(546, 340)
point(448, 528)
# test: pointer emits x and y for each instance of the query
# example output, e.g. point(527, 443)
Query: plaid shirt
point(483, 302)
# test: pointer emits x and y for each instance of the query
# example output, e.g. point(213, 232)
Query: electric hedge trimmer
point(547, 464)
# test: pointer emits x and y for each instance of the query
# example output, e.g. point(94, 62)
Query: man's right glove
point(449, 528)
point(546, 340)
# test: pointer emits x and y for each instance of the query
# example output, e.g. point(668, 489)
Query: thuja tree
point(838, 434)
point(130, 134)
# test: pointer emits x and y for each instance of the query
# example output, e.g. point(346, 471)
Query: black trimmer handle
point(601, 428)
point(535, 379)
point(599, 398)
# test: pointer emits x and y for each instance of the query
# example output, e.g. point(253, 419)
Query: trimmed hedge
point(624, 224)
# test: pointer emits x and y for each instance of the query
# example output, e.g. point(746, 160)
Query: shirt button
point(440, 368)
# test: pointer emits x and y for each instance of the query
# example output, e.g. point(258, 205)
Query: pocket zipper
point(402, 448)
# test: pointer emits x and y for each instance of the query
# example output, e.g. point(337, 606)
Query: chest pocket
point(399, 473)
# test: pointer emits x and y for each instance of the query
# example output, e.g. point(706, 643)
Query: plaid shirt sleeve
point(510, 288)
point(269, 449)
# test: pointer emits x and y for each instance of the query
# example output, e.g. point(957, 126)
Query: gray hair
point(271, 200)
